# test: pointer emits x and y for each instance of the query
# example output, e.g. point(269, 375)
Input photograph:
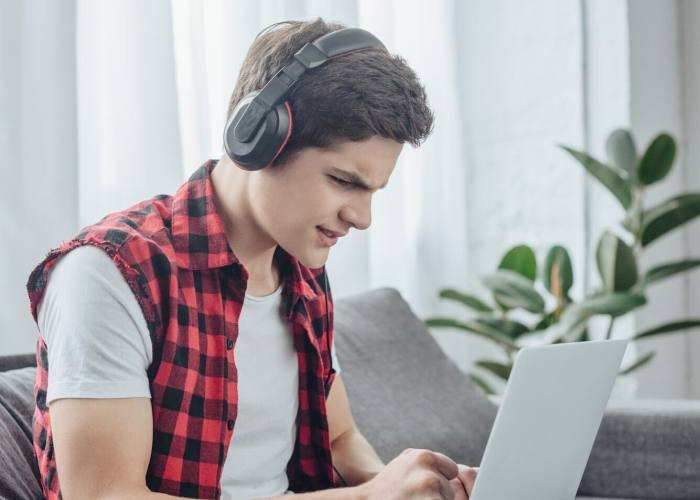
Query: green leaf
point(549, 335)
point(482, 383)
point(585, 336)
point(576, 333)
point(606, 175)
point(520, 259)
point(622, 152)
point(616, 263)
point(547, 320)
point(630, 224)
point(665, 270)
point(503, 307)
point(669, 215)
point(499, 369)
point(509, 327)
point(657, 160)
point(611, 304)
point(558, 272)
point(474, 327)
point(468, 300)
point(668, 328)
point(638, 364)
point(513, 290)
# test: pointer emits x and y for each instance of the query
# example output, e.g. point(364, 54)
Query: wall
point(570, 72)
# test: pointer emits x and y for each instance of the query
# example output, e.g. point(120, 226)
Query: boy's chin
point(314, 260)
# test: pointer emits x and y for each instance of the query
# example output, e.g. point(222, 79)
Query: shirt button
point(229, 344)
point(230, 425)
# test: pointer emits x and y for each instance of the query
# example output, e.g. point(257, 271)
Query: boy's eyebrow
point(356, 178)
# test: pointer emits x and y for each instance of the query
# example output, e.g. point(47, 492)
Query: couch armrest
point(646, 448)
point(17, 361)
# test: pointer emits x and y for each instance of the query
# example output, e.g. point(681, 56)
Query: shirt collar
point(200, 241)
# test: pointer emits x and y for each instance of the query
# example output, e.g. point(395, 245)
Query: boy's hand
point(463, 484)
point(420, 474)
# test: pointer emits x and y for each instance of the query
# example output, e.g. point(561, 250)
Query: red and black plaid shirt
point(173, 253)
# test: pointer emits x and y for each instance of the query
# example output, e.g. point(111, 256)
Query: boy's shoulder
point(140, 234)
point(137, 239)
point(148, 221)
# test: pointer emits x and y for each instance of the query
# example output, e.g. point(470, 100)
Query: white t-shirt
point(99, 347)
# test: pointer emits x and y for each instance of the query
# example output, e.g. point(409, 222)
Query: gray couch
point(404, 392)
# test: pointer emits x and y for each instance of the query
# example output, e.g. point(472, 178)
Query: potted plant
point(517, 287)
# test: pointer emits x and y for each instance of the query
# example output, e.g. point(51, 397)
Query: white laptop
point(547, 421)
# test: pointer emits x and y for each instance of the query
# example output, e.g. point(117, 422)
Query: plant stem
point(610, 327)
point(637, 210)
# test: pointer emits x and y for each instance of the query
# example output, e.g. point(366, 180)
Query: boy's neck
point(252, 247)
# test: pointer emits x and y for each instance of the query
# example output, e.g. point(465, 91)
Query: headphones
point(261, 123)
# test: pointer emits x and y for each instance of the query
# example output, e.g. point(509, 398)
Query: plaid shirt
point(173, 253)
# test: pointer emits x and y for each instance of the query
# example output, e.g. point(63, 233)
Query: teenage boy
point(186, 342)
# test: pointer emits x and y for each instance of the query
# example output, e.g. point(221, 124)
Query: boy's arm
point(353, 456)
point(103, 447)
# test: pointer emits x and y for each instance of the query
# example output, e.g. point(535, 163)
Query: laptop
point(548, 420)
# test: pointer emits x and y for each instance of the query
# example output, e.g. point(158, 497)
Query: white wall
point(606, 98)
point(570, 72)
point(661, 89)
point(689, 14)
point(520, 77)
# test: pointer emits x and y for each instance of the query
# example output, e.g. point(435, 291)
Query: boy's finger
point(445, 465)
point(467, 476)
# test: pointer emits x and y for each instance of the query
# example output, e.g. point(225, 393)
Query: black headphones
point(261, 123)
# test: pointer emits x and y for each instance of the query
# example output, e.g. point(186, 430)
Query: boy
point(189, 337)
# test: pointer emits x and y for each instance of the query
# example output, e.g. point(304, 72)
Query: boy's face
point(292, 201)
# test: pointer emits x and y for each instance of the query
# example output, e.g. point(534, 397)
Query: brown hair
point(352, 97)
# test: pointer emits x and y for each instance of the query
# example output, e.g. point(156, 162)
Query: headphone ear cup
point(268, 141)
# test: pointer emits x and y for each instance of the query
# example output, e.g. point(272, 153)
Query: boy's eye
point(341, 181)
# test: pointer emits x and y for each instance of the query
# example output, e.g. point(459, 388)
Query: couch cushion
point(19, 474)
point(403, 391)
point(646, 448)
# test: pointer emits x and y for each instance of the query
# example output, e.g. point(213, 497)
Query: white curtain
point(105, 103)
point(38, 151)
point(128, 135)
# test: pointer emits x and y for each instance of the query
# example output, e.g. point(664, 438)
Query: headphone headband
point(310, 56)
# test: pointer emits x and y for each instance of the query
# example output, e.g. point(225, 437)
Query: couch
point(405, 392)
